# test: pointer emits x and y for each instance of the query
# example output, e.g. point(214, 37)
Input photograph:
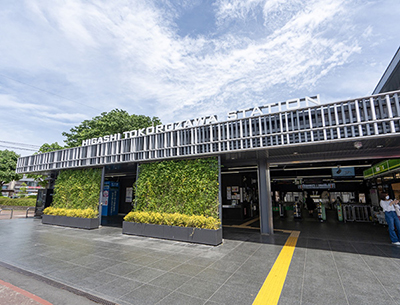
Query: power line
point(20, 148)
point(23, 144)
point(55, 94)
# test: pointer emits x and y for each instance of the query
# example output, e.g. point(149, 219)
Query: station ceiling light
point(244, 167)
point(325, 167)
point(115, 175)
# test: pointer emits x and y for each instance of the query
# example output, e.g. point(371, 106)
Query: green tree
point(8, 164)
point(49, 147)
point(23, 189)
point(115, 121)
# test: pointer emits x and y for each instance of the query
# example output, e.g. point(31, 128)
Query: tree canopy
point(49, 147)
point(8, 164)
point(115, 121)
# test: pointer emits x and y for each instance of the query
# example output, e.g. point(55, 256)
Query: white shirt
point(385, 204)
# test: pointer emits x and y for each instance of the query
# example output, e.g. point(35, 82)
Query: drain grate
point(58, 285)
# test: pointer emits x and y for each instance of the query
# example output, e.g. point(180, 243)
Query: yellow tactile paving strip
point(250, 222)
point(270, 291)
point(245, 225)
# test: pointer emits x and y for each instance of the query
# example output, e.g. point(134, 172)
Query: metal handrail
point(27, 210)
point(10, 209)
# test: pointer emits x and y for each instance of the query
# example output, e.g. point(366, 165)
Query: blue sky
point(66, 61)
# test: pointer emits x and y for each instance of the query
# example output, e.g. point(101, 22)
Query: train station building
point(271, 156)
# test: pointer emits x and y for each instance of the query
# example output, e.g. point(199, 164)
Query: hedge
point(25, 202)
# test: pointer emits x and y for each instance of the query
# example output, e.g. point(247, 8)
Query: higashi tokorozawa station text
point(231, 115)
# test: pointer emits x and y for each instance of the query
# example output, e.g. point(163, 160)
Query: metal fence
point(353, 119)
point(358, 213)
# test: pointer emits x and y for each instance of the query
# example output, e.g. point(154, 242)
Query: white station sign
point(269, 108)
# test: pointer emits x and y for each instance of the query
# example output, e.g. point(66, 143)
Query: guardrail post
point(27, 210)
point(11, 214)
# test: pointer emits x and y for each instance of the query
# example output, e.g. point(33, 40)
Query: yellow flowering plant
point(174, 219)
point(79, 213)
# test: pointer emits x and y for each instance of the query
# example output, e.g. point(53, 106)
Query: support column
point(265, 200)
point(219, 190)
point(101, 193)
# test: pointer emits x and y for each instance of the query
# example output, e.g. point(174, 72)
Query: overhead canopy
point(390, 80)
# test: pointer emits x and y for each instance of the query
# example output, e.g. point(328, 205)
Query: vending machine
point(110, 198)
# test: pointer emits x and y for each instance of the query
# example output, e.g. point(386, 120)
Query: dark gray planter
point(214, 237)
point(193, 235)
point(177, 233)
point(73, 222)
point(152, 230)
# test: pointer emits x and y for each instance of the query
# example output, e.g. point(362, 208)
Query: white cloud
point(70, 117)
point(38, 112)
point(10, 102)
point(156, 64)
point(130, 55)
point(231, 9)
point(182, 72)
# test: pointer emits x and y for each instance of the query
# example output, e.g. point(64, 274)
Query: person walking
point(392, 220)
point(310, 205)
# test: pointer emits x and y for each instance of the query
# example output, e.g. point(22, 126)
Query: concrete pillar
point(101, 192)
point(219, 190)
point(265, 200)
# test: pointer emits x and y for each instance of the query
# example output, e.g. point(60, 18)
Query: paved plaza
point(333, 263)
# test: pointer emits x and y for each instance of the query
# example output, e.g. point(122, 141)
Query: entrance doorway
point(331, 185)
point(240, 198)
point(118, 194)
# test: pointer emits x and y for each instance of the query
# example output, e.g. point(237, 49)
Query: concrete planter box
point(73, 222)
point(193, 235)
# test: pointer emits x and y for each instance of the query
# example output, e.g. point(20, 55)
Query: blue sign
point(110, 198)
point(343, 172)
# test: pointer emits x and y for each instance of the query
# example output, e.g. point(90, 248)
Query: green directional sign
point(381, 167)
point(368, 173)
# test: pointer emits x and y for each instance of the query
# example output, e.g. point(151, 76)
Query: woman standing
point(392, 220)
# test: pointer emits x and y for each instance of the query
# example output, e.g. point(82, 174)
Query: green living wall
point(77, 189)
point(187, 187)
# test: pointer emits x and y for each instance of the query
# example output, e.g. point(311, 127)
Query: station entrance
point(338, 190)
point(117, 193)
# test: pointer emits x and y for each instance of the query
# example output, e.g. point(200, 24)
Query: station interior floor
point(312, 231)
